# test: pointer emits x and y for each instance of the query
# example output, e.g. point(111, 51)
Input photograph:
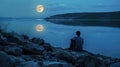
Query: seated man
point(77, 42)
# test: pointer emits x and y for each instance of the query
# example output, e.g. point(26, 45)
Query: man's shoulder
point(73, 38)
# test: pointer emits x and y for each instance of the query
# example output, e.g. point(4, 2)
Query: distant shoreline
point(109, 19)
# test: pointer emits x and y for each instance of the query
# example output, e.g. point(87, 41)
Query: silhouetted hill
point(111, 19)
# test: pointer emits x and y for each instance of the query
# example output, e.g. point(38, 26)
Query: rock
point(87, 61)
point(37, 41)
point(28, 64)
point(63, 55)
point(56, 64)
point(16, 60)
point(26, 57)
point(115, 64)
point(1, 47)
point(2, 40)
point(48, 47)
point(79, 59)
point(37, 57)
point(25, 37)
point(5, 60)
point(15, 38)
point(48, 56)
point(13, 50)
point(32, 49)
point(107, 61)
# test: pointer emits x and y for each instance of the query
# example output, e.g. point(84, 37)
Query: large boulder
point(32, 49)
point(5, 60)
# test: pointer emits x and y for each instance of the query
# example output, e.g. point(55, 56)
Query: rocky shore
point(20, 51)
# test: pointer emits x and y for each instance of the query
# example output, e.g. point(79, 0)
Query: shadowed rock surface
point(110, 19)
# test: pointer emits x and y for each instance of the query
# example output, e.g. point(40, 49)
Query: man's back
point(77, 42)
point(78, 46)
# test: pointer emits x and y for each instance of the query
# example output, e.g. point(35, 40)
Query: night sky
point(26, 8)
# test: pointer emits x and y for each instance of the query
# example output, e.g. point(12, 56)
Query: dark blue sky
point(26, 8)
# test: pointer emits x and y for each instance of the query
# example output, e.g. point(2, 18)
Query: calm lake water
point(99, 40)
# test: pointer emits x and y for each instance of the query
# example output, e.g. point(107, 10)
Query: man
point(77, 42)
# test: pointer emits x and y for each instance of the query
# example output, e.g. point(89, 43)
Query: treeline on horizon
point(111, 19)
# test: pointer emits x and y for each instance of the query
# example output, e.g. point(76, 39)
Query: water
point(99, 40)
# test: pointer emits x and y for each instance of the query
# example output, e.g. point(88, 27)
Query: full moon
point(39, 8)
point(39, 28)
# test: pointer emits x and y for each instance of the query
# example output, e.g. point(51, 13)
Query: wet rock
point(5, 61)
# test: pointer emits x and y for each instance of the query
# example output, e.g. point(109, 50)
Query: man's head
point(78, 33)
